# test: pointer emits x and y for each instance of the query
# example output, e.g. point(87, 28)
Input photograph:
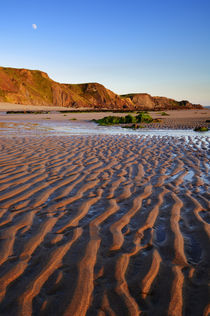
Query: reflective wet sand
point(104, 225)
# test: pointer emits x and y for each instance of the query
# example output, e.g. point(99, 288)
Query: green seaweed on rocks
point(201, 129)
point(164, 114)
point(142, 117)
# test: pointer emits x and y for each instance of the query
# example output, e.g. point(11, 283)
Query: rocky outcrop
point(141, 100)
point(170, 104)
point(145, 101)
point(22, 86)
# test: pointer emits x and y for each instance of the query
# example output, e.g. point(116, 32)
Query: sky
point(161, 47)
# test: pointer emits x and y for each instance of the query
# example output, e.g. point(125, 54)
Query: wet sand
point(182, 119)
point(104, 225)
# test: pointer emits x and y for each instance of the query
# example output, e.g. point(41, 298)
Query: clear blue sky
point(157, 46)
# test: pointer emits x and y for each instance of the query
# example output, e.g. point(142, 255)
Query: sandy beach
point(105, 158)
point(176, 119)
point(104, 225)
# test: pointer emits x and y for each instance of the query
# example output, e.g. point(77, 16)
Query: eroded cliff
point(23, 86)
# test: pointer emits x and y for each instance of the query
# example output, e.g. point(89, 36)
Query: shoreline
point(181, 119)
point(40, 128)
point(116, 213)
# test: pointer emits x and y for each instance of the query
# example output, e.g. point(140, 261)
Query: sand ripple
point(96, 225)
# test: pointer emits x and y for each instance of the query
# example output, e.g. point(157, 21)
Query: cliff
point(147, 102)
point(22, 86)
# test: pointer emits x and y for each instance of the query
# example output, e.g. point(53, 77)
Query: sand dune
point(94, 225)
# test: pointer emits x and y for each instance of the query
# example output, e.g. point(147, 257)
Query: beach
point(104, 225)
point(22, 118)
point(105, 158)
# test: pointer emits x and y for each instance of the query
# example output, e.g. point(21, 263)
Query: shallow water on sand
point(85, 128)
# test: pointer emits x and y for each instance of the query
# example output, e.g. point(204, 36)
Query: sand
point(181, 119)
point(104, 225)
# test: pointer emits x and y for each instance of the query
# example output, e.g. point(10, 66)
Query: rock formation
point(22, 86)
point(147, 102)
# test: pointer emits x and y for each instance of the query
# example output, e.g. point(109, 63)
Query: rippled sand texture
point(104, 226)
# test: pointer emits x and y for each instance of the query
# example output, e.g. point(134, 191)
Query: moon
point(34, 26)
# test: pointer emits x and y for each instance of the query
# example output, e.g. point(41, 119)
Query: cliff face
point(141, 100)
point(147, 102)
point(22, 86)
point(34, 87)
